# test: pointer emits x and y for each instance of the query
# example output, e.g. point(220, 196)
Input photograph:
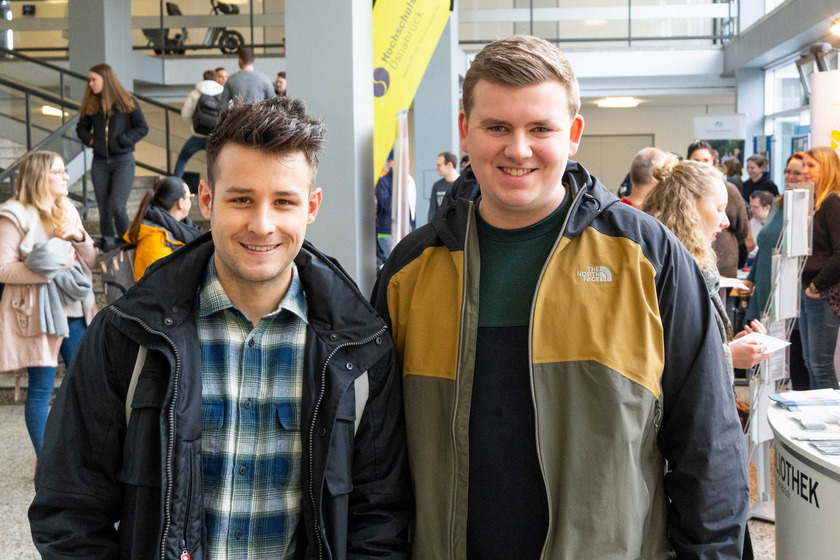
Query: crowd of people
point(244, 399)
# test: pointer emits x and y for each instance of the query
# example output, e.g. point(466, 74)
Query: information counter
point(807, 494)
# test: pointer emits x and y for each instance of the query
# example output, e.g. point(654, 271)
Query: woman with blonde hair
point(111, 122)
point(45, 261)
point(818, 325)
point(691, 201)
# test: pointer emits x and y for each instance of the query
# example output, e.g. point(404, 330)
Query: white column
point(749, 92)
point(329, 61)
point(100, 31)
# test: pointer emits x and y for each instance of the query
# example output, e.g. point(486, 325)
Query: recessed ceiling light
point(835, 27)
point(594, 21)
point(618, 102)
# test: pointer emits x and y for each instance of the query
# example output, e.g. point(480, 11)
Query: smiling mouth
point(260, 248)
point(516, 172)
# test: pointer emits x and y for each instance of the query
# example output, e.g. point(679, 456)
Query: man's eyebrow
point(548, 123)
point(493, 122)
point(248, 190)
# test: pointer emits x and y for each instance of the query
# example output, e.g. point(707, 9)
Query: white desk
point(807, 495)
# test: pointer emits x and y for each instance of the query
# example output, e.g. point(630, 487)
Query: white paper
point(729, 283)
point(786, 288)
point(798, 210)
point(772, 343)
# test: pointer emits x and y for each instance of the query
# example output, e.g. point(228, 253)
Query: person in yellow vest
point(162, 224)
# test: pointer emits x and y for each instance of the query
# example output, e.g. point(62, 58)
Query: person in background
point(641, 175)
point(111, 122)
point(732, 169)
point(280, 84)
point(531, 432)
point(759, 177)
point(208, 86)
point(465, 161)
point(162, 224)
point(760, 204)
point(247, 84)
point(39, 213)
point(759, 280)
point(446, 162)
point(384, 199)
point(221, 76)
point(818, 325)
point(727, 244)
point(691, 201)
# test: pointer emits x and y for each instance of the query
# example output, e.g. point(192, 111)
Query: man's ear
point(463, 128)
point(205, 199)
point(575, 133)
point(315, 198)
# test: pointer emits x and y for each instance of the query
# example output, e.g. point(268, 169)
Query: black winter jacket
point(94, 471)
point(123, 131)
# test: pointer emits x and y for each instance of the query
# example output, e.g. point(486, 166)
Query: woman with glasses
point(759, 280)
point(162, 223)
point(47, 301)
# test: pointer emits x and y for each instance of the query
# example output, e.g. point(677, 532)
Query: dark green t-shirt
point(508, 510)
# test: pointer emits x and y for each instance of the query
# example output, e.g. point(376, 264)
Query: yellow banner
point(405, 34)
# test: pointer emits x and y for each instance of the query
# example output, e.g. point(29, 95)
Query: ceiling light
point(594, 21)
point(835, 27)
point(617, 102)
point(52, 111)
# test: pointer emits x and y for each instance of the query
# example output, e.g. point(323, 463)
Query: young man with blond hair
point(531, 432)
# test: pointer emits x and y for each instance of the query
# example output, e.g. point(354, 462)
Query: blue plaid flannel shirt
point(251, 444)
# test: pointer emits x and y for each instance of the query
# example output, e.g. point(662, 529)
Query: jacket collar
point(591, 198)
point(168, 293)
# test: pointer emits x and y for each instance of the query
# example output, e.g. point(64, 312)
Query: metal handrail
point(75, 105)
point(11, 172)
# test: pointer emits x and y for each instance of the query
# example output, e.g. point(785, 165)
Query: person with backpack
point(162, 224)
point(202, 108)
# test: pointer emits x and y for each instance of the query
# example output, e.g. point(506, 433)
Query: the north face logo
point(595, 274)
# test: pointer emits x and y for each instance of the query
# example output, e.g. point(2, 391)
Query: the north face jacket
point(638, 439)
point(95, 472)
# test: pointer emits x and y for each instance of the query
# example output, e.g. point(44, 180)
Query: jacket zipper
point(185, 555)
point(574, 206)
point(107, 121)
point(315, 515)
point(170, 444)
point(458, 391)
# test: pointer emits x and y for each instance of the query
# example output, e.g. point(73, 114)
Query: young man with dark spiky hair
point(242, 400)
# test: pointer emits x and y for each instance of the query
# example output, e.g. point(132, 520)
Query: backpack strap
point(362, 388)
point(132, 385)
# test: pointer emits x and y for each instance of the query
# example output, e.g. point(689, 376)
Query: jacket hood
point(166, 294)
point(591, 198)
point(209, 87)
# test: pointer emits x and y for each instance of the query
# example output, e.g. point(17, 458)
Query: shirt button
point(242, 470)
point(247, 404)
point(251, 343)
point(237, 534)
